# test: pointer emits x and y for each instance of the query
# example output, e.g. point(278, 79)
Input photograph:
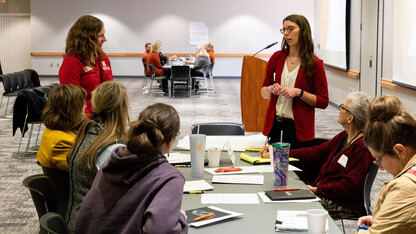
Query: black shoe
point(196, 87)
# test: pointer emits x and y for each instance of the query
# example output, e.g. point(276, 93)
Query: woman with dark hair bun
point(390, 135)
point(137, 190)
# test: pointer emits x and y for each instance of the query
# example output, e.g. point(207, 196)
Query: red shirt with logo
point(75, 71)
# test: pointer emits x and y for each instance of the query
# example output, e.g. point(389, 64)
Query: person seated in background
point(148, 48)
point(137, 190)
point(153, 58)
point(344, 161)
point(201, 60)
point(163, 59)
point(390, 135)
point(210, 49)
point(63, 112)
point(95, 140)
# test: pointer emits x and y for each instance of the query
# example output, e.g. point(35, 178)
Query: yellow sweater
point(54, 148)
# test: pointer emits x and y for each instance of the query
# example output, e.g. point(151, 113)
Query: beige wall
point(15, 7)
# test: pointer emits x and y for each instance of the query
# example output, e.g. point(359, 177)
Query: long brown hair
point(83, 37)
point(64, 109)
point(389, 124)
point(110, 111)
point(157, 124)
point(306, 49)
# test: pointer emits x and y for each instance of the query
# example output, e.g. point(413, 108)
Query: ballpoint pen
point(204, 216)
point(286, 189)
point(182, 165)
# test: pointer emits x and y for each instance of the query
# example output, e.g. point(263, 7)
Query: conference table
point(256, 218)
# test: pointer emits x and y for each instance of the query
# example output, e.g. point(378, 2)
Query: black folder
point(290, 195)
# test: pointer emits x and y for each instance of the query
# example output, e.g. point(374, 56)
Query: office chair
point(368, 184)
point(42, 192)
point(60, 183)
point(53, 223)
point(180, 75)
point(205, 75)
point(153, 77)
point(218, 128)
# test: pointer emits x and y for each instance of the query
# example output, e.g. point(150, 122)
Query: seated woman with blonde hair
point(137, 190)
point(390, 135)
point(95, 140)
point(62, 115)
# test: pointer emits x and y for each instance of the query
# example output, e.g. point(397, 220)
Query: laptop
point(290, 195)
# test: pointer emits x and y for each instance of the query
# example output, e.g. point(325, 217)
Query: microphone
point(274, 43)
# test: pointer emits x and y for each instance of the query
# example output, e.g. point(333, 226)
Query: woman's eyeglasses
point(342, 107)
point(288, 29)
point(378, 160)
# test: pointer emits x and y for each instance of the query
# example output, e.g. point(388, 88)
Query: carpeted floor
point(17, 212)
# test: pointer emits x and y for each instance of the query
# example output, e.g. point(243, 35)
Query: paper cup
point(316, 220)
point(214, 155)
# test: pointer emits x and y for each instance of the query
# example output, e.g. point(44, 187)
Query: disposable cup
point(214, 155)
point(197, 145)
point(316, 220)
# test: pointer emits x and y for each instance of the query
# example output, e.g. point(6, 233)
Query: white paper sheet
point(238, 143)
point(229, 198)
point(293, 219)
point(178, 158)
point(245, 170)
point(266, 199)
point(196, 185)
point(238, 179)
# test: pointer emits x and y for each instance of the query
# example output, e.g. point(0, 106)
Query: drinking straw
point(281, 136)
point(197, 131)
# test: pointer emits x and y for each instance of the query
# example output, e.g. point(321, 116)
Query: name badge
point(104, 66)
point(343, 160)
point(87, 68)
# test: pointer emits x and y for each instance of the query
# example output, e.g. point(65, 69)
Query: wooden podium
point(253, 105)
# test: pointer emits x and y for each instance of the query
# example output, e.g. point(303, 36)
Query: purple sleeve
point(163, 214)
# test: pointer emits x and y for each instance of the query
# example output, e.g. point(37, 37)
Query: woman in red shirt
point(85, 63)
point(296, 83)
point(153, 58)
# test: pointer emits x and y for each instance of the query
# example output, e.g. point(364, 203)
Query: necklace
point(349, 143)
point(293, 60)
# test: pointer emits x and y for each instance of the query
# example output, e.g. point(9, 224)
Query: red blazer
point(303, 114)
point(153, 58)
point(75, 71)
point(342, 185)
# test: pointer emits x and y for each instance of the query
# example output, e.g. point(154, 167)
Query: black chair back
point(42, 192)
point(218, 128)
point(152, 70)
point(20, 80)
point(60, 183)
point(53, 223)
point(27, 82)
point(368, 184)
point(180, 73)
point(1, 70)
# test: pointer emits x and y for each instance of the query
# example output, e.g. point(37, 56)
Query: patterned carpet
point(17, 212)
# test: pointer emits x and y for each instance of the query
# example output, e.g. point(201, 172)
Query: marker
point(286, 189)
point(182, 165)
point(204, 216)
point(193, 192)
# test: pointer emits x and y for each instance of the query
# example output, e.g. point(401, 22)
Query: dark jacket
point(134, 194)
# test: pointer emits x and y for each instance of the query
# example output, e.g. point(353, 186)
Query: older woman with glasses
point(390, 135)
point(295, 83)
point(344, 161)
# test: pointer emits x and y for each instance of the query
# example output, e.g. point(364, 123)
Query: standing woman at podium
point(296, 83)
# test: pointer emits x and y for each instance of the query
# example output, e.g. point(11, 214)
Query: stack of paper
point(238, 179)
point(219, 214)
point(293, 220)
point(196, 185)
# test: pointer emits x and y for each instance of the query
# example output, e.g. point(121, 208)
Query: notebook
point(290, 195)
point(259, 160)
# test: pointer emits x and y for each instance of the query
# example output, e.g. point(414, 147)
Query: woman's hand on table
point(264, 152)
point(313, 189)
